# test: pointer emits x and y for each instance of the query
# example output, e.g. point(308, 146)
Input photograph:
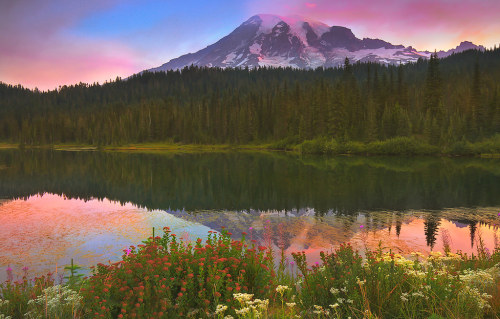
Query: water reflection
point(240, 181)
point(45, 232)
point(90, 205)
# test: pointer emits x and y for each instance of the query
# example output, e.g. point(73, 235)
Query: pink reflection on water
point(313, 235)
point(412, 237)
point(45, 231)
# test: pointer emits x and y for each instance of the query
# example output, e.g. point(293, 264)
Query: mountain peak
point(267, 22)
point(273, 19)
point(463, 46)
point(298, 42)
point(467, 45)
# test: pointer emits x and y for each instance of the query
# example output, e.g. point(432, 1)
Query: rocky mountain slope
point(270, 40)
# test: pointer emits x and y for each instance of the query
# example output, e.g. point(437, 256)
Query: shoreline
point(160, 148)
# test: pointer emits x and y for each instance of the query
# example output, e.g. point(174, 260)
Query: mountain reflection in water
point(43, 232)
point(90, 205)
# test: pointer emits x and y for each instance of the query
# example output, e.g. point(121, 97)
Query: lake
point(89, 206)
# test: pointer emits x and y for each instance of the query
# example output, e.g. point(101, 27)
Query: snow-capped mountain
point(271, 40)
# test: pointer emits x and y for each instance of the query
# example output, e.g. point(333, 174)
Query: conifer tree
point(433, 86)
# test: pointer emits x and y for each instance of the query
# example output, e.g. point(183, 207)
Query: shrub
point(167, 277)
point(17, 294)
point(55, 302)
point(401, 146)
point(224, 278)
point(316, 146)
point(389, 285)
point(286, 144)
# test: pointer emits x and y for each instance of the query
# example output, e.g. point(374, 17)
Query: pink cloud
point(425, 24)
point(37, 52)
point(60, 64)
point(311, 5)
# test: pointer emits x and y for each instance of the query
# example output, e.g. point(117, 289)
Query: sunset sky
point(47, 43)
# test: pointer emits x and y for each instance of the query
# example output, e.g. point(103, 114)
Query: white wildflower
point(220, 308)
point(360, 282)
point(282, 289)
point(242, 297)
point(418, 294)
point(54, 300)
point(319, 310)
point(242, 311)
point(262, 304)
point(334, 290)
point(404, 296)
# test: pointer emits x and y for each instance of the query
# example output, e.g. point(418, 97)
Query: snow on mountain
point(271, 40)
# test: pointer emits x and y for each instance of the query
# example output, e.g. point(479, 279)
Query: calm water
point(57, 205)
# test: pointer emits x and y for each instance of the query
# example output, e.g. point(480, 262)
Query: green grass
point(166, 277)
point(186, 148)
point(406, 146)
point(397, 146)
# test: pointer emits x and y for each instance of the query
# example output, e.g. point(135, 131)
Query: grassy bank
point(406, 146)
point(147, 147)
point(398, 146)
point(166, 277)
point(7, 146)
point(186, 148)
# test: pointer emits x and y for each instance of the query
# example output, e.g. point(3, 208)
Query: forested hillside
point(440, 101)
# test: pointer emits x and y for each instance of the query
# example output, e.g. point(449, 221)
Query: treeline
point(438, 101)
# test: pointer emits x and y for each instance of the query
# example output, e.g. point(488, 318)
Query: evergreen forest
point(439, 102)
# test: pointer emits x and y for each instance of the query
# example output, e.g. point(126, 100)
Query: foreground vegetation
point(223, 278)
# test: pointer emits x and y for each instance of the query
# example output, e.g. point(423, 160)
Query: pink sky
point(39, 52)
point(423, 24)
